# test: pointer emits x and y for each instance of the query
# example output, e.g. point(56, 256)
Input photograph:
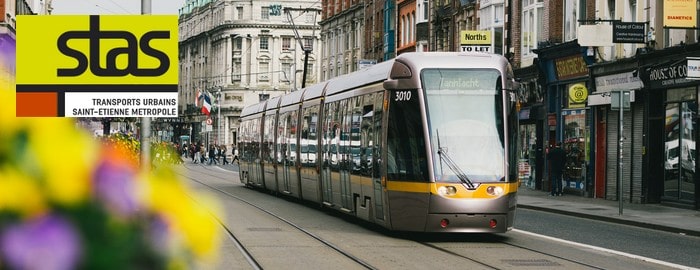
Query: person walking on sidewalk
point(222, 154)
point(557, 160)
point(234, 152)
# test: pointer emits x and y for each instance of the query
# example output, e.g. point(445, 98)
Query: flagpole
point(218, 118)
point(145, 121)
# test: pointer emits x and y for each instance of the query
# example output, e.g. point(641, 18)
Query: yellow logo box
point(97, 49)
point(475, 37)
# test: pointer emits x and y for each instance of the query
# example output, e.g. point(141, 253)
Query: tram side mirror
point(391, 84)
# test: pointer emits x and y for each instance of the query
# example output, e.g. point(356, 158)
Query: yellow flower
point(189, 217)
point(20, 194)
point(8, 121)
point(65, 156)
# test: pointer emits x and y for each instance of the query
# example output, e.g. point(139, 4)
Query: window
point(237, 44)
point(264, 70)
point(236, 72)
point(308, 43)
point(265, 13)
point(406, 157)
point(286, 43)
point(573, 11)
point(239, 11)
point(264, 43)
point(532, 25)
point(286, 68)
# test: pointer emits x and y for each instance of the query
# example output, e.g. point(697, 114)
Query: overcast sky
point(106, 7)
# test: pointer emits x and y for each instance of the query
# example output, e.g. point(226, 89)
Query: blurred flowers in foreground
point(69, 201)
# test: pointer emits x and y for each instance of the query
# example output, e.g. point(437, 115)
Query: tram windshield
point(465, 116)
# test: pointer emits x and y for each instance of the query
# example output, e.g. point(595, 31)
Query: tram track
point(462, 248)
point(507, 263)
point(250, 258)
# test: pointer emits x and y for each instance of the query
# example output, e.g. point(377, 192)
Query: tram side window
point(308, 136)
point(406, 158)
point(281, 147)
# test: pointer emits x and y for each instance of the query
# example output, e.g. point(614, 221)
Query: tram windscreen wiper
point(452, 165)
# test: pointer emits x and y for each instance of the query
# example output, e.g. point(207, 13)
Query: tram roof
point(253, 109)
point(292, 98)
point(420, 60)
point(314, 91)
point(272, 103)
point(378, 72)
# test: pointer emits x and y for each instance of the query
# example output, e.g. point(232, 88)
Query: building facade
point(342, 26)
point(642, 154)
point(239, 53)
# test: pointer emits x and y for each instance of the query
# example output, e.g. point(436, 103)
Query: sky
point(106, 7)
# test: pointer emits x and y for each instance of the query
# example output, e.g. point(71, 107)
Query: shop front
point(565, 68)
point(531, 126)
point(610, 79)
point(672, 124)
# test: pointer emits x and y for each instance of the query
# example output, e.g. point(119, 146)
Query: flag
point(206, 104)
point(197, 98)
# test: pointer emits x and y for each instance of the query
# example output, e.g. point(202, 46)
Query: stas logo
point(65, 62)
point(133, 45)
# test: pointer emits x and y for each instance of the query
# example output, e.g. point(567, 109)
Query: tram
point(424, 142)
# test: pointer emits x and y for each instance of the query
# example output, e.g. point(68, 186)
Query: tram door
point(345, 157)
point(268, 152)
point(373, 109)
point(255, 169)
point(336, 175)
point(282, 155)
point(286, 152)
point(328, 148)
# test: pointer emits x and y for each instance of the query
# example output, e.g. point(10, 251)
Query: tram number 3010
point(403, 96)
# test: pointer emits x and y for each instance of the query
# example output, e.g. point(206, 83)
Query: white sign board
point(597, 35)
point(618, 81)
point(693, 68)
point(486, 49)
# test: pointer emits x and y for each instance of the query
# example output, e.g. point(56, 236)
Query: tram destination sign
point(97, 66)
point(628, 32)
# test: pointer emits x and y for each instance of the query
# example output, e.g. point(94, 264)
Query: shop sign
point(475, 38)
point(486, 49)
point(628, 32)
point(693, 68)
point(625, 81)
point(570, 67)
point(577, 95)
point(669, 76)
point(679, 13)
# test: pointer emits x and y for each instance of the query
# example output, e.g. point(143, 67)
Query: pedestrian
point(234, 152)
point(198, 153)
point(222, 153)
point(202, 153)
point(557, 160)
point(212, 154)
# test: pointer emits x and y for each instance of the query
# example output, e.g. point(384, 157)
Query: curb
point(614, 220)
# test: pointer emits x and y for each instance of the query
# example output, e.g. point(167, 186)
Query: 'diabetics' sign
point(97, 66)
point(680, 13)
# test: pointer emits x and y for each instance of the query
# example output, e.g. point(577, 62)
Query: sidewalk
point(652, 216)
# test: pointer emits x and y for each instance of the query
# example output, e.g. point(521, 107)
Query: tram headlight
point(447, 190)
point(494, 190)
